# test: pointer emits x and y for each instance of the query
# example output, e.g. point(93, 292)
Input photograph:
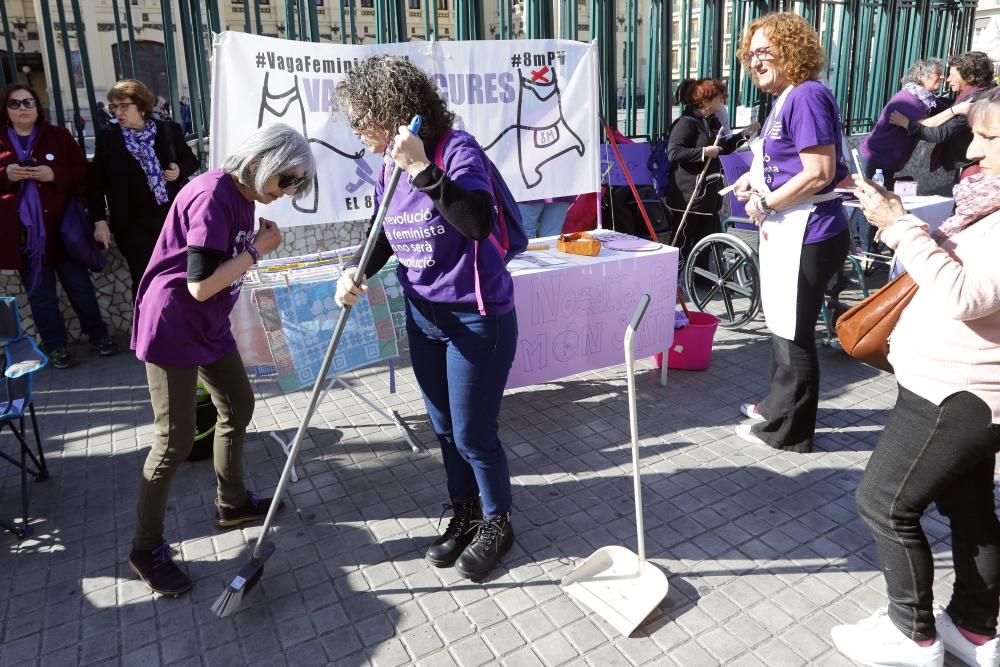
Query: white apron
point(781, 236)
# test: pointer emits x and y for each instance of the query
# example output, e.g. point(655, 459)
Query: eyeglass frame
point(762, 53)
point(113, 107)
point(286, 181)
point(26, 103)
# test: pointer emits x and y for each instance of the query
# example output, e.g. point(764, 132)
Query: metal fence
point(869, 43)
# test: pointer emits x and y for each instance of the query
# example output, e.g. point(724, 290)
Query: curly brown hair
point(975, 67)
point(137, 91)
point(795, 45)
point(385, 92)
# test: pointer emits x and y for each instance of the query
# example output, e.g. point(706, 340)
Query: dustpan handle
point(633, 419)
point(338, 331)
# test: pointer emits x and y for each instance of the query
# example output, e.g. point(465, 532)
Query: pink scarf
point(975, 198)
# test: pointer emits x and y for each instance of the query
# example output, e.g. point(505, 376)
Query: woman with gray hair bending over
point(182, 331)
point(888, 147)
point(939, 445)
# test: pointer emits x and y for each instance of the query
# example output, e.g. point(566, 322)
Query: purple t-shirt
point(809, 117)
point(889, 146)
point(437, 263)
point(171, 327)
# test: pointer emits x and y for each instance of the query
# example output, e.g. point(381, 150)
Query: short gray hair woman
point(181, 331)
point(923, 69)
point(269, 151)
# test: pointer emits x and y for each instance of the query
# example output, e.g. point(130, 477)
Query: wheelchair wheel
point(722, 279)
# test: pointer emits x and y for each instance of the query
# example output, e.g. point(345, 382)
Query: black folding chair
point(21, 359)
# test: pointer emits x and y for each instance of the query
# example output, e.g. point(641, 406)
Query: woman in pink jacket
point(940, 443)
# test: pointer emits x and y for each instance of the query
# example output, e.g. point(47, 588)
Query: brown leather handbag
point(864, 329)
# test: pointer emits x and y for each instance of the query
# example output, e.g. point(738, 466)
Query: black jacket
point(688, 135)
point(952, 138)
point(117, 179)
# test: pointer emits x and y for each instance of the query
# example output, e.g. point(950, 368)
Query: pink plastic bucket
point(692, 347)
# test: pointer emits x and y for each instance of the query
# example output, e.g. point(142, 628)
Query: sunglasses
point(28, 103)
point(286, 181)
point(113, 108)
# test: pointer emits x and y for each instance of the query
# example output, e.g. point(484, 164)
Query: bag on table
point(77, 235)
point(864, 329)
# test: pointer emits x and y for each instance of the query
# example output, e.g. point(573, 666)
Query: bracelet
point(254, 253)
point(952, 110)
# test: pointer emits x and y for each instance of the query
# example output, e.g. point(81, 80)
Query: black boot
point(461, 530)
point(494, 537)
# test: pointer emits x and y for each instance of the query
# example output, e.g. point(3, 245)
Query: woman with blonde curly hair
point(460, 317)
point(803, 230)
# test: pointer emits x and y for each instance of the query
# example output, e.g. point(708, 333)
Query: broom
point(249, 575)
point(694, 195)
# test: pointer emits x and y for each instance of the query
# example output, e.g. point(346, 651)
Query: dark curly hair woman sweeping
point(460, 317)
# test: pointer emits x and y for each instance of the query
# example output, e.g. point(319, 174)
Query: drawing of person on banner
point(461, 323)
point(289, 105)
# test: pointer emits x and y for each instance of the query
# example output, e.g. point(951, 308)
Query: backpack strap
point(439, 162)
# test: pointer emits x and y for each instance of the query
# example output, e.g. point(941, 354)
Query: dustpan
point(620, 585)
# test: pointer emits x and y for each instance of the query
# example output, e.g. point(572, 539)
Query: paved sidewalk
point(764, 550)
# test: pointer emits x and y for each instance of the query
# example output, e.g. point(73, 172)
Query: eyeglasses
point(27, 103)
point(113, 108)
point(286, 181)
point(761, 54)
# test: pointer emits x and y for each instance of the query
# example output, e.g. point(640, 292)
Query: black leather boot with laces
point(493, 537)
point(461, 529)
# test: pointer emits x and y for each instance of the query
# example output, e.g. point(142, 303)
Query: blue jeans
point(543, 219)
point(942, 454)
point(45, 303)
point(461, 360)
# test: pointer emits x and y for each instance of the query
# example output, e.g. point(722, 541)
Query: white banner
point(532, 104)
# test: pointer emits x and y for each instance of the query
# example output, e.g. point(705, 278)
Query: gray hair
point(923, 69)
point(269, 152)
point(984, 108)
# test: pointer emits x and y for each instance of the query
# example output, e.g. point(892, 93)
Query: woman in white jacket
point(941, 440)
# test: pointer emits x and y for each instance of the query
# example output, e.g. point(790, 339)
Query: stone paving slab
point(764, 550)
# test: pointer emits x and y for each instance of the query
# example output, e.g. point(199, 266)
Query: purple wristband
point(252, 249)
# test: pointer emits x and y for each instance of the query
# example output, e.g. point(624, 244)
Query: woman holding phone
point(41, 167)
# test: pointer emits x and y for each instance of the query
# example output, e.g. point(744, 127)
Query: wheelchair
point(721, 274)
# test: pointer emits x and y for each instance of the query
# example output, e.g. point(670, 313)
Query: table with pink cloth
point(572, 311)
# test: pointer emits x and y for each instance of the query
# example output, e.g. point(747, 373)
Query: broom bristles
point(244, 582)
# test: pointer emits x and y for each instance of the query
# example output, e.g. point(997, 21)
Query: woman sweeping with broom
point(694, 145)
point(459, 295)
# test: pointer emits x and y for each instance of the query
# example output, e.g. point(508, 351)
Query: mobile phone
point(857, 163)
point(30, 162)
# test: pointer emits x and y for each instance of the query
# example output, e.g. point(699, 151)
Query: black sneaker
point(254, 508)
point(106, 347)
point(460, 532)
point(157, 569)
point(60, 357)
point(494, 537)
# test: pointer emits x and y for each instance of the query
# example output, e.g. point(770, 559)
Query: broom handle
point(338, 331)
point(633, 419)
point(694, 195)
point(628, 177)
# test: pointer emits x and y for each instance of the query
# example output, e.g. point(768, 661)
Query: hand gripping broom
point(248, 576)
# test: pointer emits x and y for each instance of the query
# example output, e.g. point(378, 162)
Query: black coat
point(952, 138)
point(688, 135)
point(117, 180)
